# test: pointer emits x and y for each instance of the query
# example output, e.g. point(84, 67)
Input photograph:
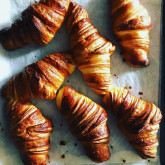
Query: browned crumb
point(124, 161)
point(140, 93)
point(62, 156)
point(130, 87)
point(63, 143)
point(125, 88)
point(115, 75)
point(112, 147)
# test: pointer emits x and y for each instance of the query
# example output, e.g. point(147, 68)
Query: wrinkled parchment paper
point(144, 80)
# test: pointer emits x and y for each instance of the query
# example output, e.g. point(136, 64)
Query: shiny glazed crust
point(41, 79)
point(91, 51)
point(137, 119)
point(30, 132)
point(131, 24)
point(87, 121)
point(39, 24)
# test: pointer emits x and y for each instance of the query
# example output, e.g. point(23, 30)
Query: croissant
point(91, 51)
point(41, 79)
point(137, 119)
point(131, 24)
point(30, 132)
point(39, 24)
point(87, 121)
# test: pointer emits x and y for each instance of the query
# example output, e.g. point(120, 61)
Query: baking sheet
point(144, 80)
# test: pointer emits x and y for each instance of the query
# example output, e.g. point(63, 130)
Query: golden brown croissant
point(137, 119)
point(91, 51)
point(30, 132)
point(39, 24)
point(41, 79)
point(131, 24)
point(87, 121)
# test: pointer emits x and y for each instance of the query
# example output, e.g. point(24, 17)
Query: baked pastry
point(38, 24)
point(40, 79)
point(137, 119)
point(91, 51)
point(87, 121)
point(131, 24)
point(30, 131)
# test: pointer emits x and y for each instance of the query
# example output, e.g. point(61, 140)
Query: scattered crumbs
point(67, 81)
point(112, 147)
point(61, 125)
point(115, 75)
point(125, 88)
point(130, 87)
point(62, 156)
point(124, 161)
point(75, 144)
point(63, 143)
point(140, 97)
point(140, 93)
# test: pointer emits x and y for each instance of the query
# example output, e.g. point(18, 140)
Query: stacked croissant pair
point(137, 119)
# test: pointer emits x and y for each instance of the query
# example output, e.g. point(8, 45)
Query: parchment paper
point(144, 80)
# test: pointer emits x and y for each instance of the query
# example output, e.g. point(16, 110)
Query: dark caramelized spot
point(115, 75)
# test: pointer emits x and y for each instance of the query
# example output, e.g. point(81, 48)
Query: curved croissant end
point(131, 24)
point(30, 132)
point(41, 79)
point(137, 119)
point(87, 121)
point(39, 24)
point(91, 51)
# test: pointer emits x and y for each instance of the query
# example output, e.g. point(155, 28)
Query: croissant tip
point(3, 33)
point(140, 64)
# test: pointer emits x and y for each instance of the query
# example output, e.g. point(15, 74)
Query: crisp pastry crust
point(91, 51)
point(132, 24)
point(30, 131)
point(87, 121)
point(41, 79)
point(137, 119)
point(38, 24)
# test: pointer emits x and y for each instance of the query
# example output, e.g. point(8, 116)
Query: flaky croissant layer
point(41, 79)
point(39, 24)
point(131, 24)
point(87, 121)
point(91, 51)
point(30, 132)
point(137, 119)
